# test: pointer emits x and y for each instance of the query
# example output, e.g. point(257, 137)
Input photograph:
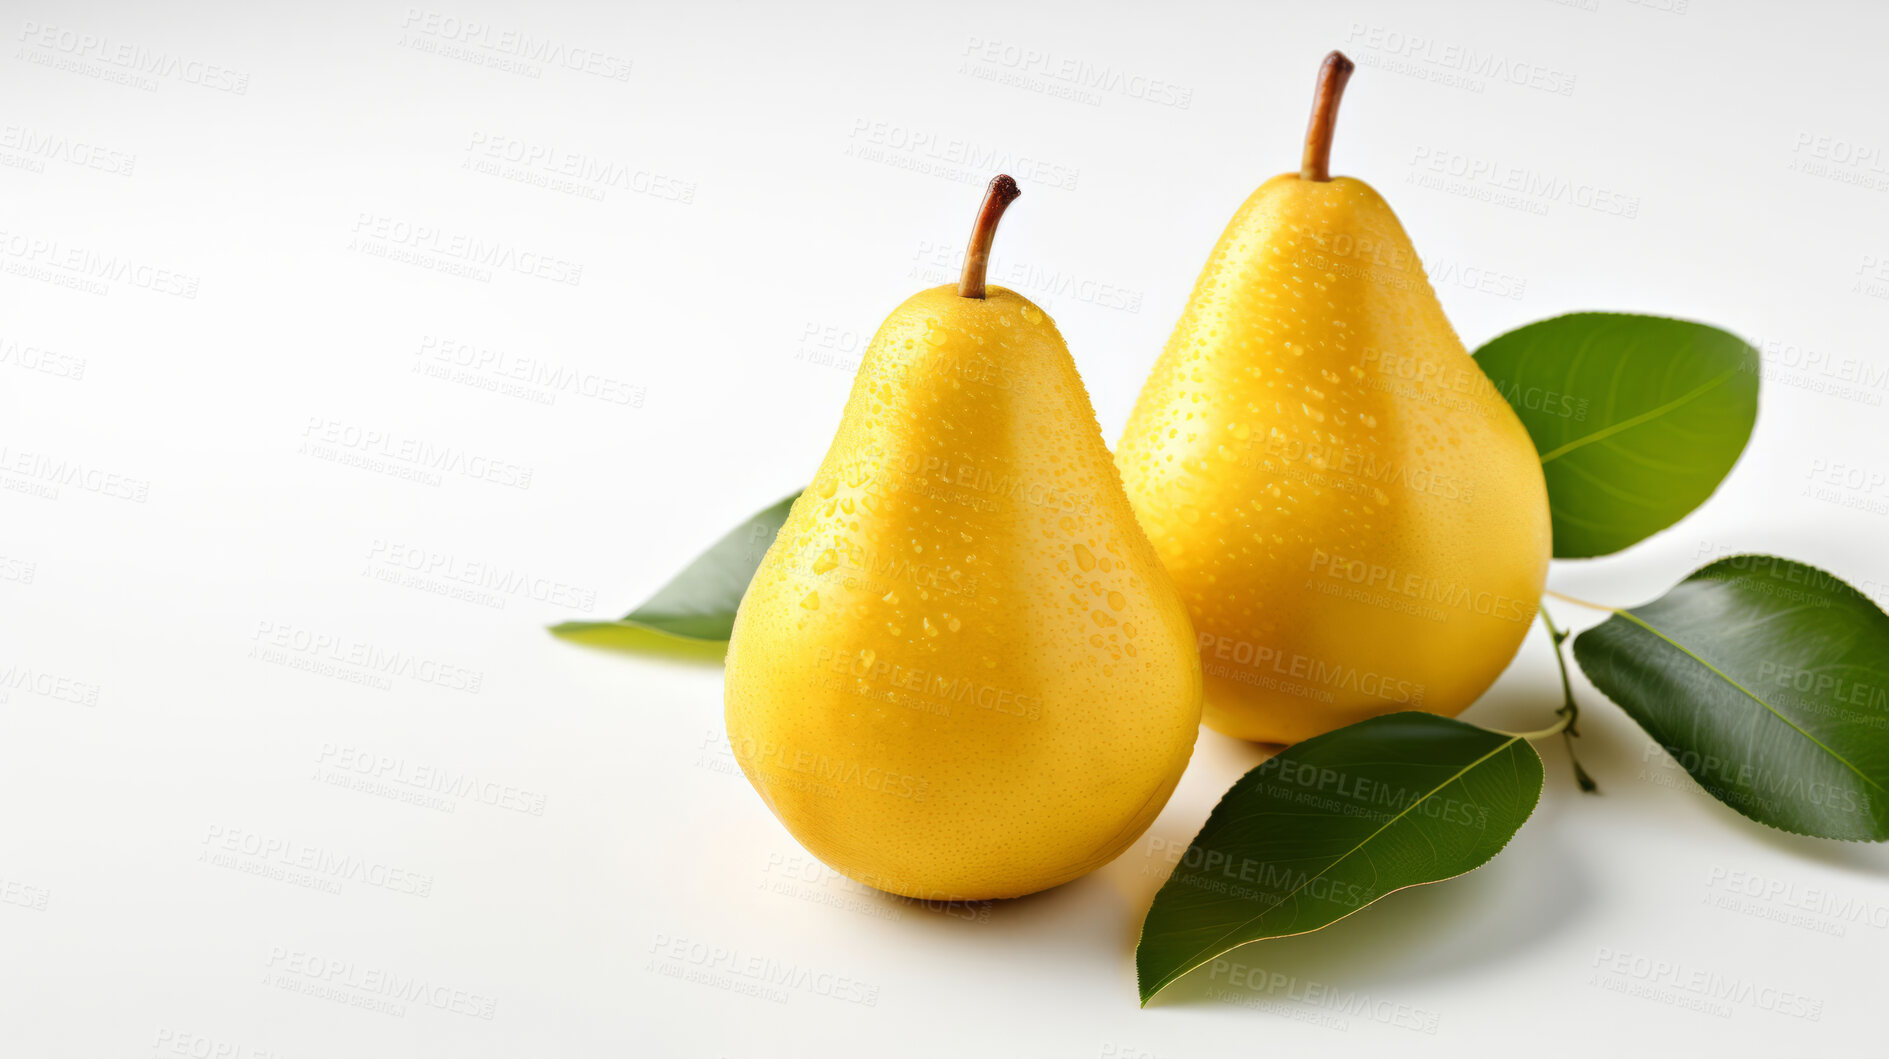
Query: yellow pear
point(1354, 515)
point(960, 672)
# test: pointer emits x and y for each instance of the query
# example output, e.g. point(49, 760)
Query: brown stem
point(1332, 76)
point(1003, 191)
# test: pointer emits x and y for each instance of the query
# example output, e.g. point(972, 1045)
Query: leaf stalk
point(1569, 712)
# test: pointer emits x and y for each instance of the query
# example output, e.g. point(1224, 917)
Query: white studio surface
point(292, 489)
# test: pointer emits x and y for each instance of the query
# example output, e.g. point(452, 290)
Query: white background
point(257, 379)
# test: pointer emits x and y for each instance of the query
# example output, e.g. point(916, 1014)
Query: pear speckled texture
point(960, 671)
point(1355, 516)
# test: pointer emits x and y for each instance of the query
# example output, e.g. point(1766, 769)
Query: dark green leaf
point(699, 603)
point(1768, 681)
point(1330, 825)
point(1637, 418)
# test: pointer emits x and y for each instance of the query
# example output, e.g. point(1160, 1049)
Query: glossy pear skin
point(1356, 518)
point(960, 672)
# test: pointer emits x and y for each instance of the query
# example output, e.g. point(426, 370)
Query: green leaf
point(1768, 681)
point(699, 603)
point(1330, 825)
point(1637, 418)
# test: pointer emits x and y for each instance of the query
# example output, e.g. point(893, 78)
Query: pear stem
point(1332, 75)
point(1003, 191)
